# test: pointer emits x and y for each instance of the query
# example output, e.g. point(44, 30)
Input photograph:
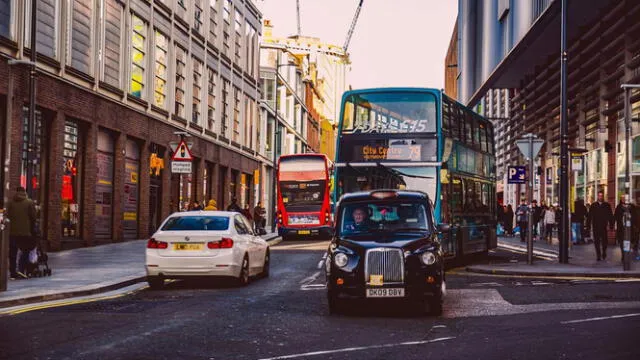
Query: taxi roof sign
point(182, 152)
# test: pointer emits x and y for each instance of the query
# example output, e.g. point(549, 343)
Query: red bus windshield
point(302, 183)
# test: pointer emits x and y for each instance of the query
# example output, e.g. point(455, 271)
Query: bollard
point(4, 251)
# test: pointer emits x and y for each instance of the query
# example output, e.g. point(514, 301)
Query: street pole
point(564, 146)
point(31, 138)
point(530, 219)
point(275, 139)
point(626, 244)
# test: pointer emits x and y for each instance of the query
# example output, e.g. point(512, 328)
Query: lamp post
point(564, 145)
point(626, 248)
point(275, 135)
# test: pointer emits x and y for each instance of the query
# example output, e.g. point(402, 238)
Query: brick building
point(116, 79)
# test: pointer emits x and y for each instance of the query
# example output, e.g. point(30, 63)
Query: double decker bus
point(420, 139)
point(304, 195)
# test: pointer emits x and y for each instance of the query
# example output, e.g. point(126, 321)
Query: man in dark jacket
point(234, 206)
point(619, 219)
point(523, 220)
point(22, 213)
point(577, 221)
point(600, 214)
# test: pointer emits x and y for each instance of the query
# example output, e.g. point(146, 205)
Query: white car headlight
point(428, 258)
point(340, 260)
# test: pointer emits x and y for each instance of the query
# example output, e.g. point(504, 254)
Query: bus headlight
point(340, 260)
point(428, 258)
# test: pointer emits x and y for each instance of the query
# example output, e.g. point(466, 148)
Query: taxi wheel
point(155, 282)
point(243, 278)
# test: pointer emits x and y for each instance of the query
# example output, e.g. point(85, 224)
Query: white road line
point(627, 280)
point(600, 318)
point(324, 256)
point(359, 348)
point(485, 284)
point(320, 264)
point(310, 279)
point(438, 327)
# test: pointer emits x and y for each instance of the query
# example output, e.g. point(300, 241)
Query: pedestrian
point(234, 206)
point(196, 206)
point(212, 205)
point(543, 209)
point(619, 221)
point(522, 214)
point(577, 221)
point(549, 222)
point(21, 211)
point(600, 214)
point(537, 217)
point(259, 218)
point(247, 213)
point(508, 220)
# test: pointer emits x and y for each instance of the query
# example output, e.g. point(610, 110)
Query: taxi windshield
point(383, 216)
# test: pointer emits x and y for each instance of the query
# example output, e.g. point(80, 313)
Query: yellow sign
point(256, 177)
point(376, 280)
point(130, 216)
point(156, 164)
point(134, 177)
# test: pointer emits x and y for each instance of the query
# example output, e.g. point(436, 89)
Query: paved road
point(285, 316)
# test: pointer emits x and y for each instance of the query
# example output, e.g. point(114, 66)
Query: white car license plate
point(385, 292)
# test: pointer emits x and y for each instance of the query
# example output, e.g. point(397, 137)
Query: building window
point(236, 115)
point(248, 123)
point(238, 36)
point(211, 100)
point(6, 23)
point(225, 107)
point(160, 83)
point(197, 15)
point(138, 39)
point(180, 81)
point(48, 25)
point(226, 16)
point(197, 87)
point(71, 179)
point(80, 47)
point(112, 13)
point(213, 21)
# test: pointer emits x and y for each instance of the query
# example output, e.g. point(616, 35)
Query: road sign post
point(181, 161)
point(529, 147)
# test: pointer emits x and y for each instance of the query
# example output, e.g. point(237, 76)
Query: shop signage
point(577, 163)
point(181, 167)
point(156, 164)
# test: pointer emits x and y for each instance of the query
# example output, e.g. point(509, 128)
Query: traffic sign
point(181, 167)
point(517, 175)
point(523, 145)
point(182, 153)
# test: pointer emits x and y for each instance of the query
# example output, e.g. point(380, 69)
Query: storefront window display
point(72, 180)
point(130, 201)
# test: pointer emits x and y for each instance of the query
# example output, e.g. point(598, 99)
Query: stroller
point(37, 265)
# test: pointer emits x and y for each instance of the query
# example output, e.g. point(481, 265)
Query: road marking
point(15, 310)
point(537, 253)
point(320, 264)
point(311, 278)
point(485, 284)
point(627, 280)
point(359, 348)
point(600, 318)
point(313, 287)
point(461, 272)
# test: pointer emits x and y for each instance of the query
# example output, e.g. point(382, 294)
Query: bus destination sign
point(391, 152)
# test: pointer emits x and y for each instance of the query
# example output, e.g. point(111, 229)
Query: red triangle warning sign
point(182, 152)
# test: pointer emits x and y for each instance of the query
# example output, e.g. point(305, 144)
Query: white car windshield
point(196, 223)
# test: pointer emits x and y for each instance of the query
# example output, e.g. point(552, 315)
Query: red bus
point(304, 195)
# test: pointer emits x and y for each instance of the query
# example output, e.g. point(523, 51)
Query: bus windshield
point(302, 183)
point(389, 113)
point(421, 178)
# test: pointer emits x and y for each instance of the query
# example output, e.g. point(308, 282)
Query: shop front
point(72, 180)
point(131, 190)
point(104, 186)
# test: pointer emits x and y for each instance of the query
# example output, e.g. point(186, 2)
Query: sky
point(395, 42)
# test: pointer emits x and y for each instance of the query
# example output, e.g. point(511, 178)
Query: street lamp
point(275, 135)
point(563, 230)
point(626, 258)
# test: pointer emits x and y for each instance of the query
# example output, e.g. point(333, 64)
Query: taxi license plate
point(385, 292)
point(304, 232)
point(184, 246)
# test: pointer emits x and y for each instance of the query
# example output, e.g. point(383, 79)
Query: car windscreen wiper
point(411, 229)
point(400, 173)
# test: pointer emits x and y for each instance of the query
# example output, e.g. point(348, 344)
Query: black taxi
point(386, 246)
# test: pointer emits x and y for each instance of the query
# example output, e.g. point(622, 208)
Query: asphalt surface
point(285, 316)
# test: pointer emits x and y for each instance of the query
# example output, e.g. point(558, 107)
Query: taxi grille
point(386, 262)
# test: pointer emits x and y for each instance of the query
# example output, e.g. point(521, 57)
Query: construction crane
point(298, 13)
point(353, 26)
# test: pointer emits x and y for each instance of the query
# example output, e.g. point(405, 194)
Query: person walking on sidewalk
point(600, 214)
point(577, 221)
point(259, 218)
point(549, 223)
point(523, 221)
point(212, 205)
point(22, 212)
point(508, 221)
point(234, 206)
point(537, 217)
point(619, 219)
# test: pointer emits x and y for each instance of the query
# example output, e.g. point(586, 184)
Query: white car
point(205, 243)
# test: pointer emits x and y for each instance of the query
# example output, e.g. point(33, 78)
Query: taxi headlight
point(428, 258)
point(340, 260)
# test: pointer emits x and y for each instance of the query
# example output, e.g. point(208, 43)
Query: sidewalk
point(86, 271)
point(582, 261)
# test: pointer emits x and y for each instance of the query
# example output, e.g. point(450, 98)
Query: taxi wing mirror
point(444, 227)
